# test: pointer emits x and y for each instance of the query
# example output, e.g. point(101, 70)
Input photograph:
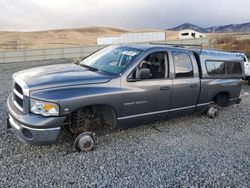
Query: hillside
point(55, 38)
point(86, 36)
point(63, 37)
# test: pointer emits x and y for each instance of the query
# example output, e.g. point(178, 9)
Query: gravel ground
point(189, 151)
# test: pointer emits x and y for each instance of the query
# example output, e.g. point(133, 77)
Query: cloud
point(51, 14)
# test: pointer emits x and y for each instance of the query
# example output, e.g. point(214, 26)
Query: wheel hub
point(84, 142)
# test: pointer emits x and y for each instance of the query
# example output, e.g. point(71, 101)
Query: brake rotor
point(84, 142)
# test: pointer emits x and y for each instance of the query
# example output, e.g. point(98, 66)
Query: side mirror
point(143, 73)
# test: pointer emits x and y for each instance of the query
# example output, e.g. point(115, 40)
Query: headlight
point(44, 108)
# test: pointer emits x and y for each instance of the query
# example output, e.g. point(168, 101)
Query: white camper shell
point(247, 69)
point(246, 74)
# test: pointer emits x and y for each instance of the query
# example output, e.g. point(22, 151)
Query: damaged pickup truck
point(121, 86)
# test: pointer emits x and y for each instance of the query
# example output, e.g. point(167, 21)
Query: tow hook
point(85, 142)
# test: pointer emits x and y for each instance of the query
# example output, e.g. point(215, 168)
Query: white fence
point(132, 38)
point(45, 54)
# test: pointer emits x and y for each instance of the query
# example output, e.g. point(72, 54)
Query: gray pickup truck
point(121, 86)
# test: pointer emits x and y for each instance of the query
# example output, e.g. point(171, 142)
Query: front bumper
point(33, 129)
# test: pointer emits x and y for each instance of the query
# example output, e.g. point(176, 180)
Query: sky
point(30, 15)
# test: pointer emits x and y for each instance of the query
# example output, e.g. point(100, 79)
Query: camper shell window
point(215, 67)
point(233, 68)
point(226, 68)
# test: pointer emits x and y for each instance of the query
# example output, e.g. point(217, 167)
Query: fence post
point(44, 55)
point(25, 55)
point(4, 57)
point(62, 52)
point(82, 51)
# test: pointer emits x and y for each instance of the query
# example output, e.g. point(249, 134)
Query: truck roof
point(204, 54)
point(218, 55)
point(147, 46)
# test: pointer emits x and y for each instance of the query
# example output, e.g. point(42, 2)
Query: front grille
point(18, 100)
point(18, 88)
point(18, 96)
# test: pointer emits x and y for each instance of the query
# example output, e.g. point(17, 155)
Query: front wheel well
point(89, 118)
point(108, 113)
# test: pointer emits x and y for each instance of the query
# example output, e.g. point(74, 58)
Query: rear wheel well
point(222, 99)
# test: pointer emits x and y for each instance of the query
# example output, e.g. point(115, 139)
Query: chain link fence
point(14, 51)
point(21, 55)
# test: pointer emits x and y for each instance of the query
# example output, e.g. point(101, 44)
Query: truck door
point(186, 83)
point(151, 96)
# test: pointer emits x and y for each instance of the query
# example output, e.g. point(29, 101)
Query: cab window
point(156, 64)
point(183, 65)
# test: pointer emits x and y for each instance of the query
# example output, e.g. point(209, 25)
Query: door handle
point(193, 85)
point(165, 88)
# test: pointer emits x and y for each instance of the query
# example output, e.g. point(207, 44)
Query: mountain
point(245, 27)
point(188, 26)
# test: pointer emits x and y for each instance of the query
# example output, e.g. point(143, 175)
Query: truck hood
point(60, 75)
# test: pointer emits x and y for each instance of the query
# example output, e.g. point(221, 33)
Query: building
point(190, 34)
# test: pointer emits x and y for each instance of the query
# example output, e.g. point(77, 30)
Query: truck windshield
point(112, 59)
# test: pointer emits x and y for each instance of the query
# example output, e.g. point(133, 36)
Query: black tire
point(222, 100)
point(248, 80)
point(212, 112)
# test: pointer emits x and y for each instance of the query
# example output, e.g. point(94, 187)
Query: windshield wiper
point(89, 67)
